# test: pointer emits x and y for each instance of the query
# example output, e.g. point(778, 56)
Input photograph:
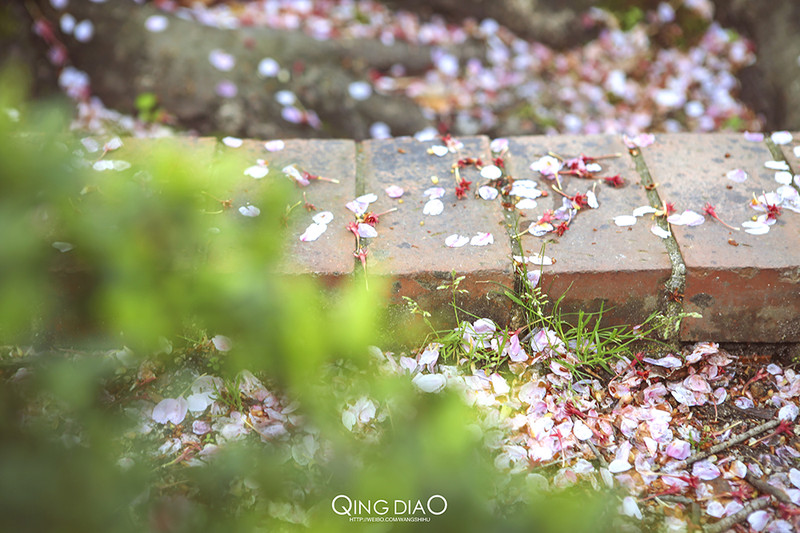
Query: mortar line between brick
point(360, 189)
point(676, 284)
point(512, 220)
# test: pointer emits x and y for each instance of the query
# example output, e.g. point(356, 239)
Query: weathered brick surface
point(410, 248)
point(788, 153)
point(331, 256)
point(747, 287)
point(624, 268)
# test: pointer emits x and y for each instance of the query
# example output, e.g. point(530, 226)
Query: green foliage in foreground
point(149, 267)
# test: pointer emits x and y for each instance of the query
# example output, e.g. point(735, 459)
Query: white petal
point(433, 207)
point(274, 146)
point(738, 175)
point(715, 509)
point(499, 384)
point(788, 412)
point(619, 465)
point(84, 31)
point(367, 231)
point(526, 203)
point(313, 232)
point(581, 431)
point(456, 241)
point(491, 172)
point(781, 137)
point(393, 191)
point(687, 218)
point(221, 60)
point(753, 136)
point(631, 508)
point(170, 410)
point(625, 220)
point(156, 23)
point(593, 167)
point(367, 198)
point(256, 171)
point(63, 247)
point(359, 208)
point(268, 68)
point(487, 193)
point(794, 477)
point(221, 343)
point(250, 211)
point(755, 228)
point(658, 231)
point(439, 150)
point(359, 90)
point(429, 382)
point(198, 402)
point(643, 210)
point(783, 177)
point(758, 520)
point(591, 198)
point(777, 165)
point(324, 217)
point(482, 239)
point(233, 142)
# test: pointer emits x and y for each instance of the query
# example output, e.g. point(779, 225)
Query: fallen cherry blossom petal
point(631, 508)
point(526, 203)
point(581, 431)
point(525, 189)
point(434, 192)
point(737, 175)
point(393, 191)
point(222, 61)
point(274, 146)
point(367, 231)
point(433, 207)
point(687, 218)
point(697, 383)
point(63, 247)
point(233, 142)
point(482, 239)
point(788, 412)
point(591, 199)
point(456, 241)
point(156, 23)
point(491, 172)
point(256, 171)
point(658, 231)
point(430, 383)
point(367, 198)
point(753, 136)
point(781, 137)
point(794, 477)
point(249, 211)
point(324, 217)
point(705, 470)
point(313, 232)
point(777, 165)
point(170, 410)
point(755, 228)
point(498, 145)
point(758, 520)
point(715, 509)
point(547, 166)
point(487, 193)
point(643, 210)
point(359, 90)
point(227, 89)
point(221, 343)
point(200, 427)
point(625, 220)
point(641, 140)
point(679, 449)
point(268, 68)
point(783, 177)
point(439, 150)
point(499, 384)
point(619, 465)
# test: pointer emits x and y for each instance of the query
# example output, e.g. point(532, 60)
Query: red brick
point(331, 256)
point(624, 268)
point(410, 248)
point(747, 291)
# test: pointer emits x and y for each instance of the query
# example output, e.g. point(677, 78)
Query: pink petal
point(170, 410)
point(221, 343)
point(758, 520)
point(274, 146)
point(456, 241)
point(366, 231)
point(697, 383)
point(482, 239)
point(737, 175)
point(679, 449)
point(705, 470)
point(753, 136)
point(313, 232)
point(393, 191)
